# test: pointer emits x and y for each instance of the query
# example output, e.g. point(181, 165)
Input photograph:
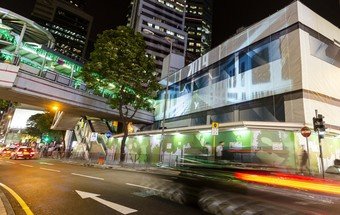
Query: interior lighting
point(204, 131)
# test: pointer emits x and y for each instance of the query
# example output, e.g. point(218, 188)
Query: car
point(23, 152)
point(6, 152)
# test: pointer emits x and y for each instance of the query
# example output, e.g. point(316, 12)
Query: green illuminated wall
point(268, 148)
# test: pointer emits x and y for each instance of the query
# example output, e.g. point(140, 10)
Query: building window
point(258, 54)
point(325, 50)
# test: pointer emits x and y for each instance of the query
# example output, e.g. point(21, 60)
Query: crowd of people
point(54, 150)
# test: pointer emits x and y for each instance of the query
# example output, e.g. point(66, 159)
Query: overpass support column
point(23, 30)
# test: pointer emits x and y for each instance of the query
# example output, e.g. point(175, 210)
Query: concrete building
point(260, 88)
point(198, 25)
point(67, 22)
point(162, 24)
point(280, 69)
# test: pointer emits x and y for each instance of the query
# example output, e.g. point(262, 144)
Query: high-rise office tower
point(67, 22)
point(198, 25)
point(162, 24)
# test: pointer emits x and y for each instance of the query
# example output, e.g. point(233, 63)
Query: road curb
point(7, 205)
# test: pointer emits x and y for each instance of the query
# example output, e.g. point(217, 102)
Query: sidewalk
point(5, 206)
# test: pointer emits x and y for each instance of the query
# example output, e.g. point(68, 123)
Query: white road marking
point(120, 208)
point(52, 170)
point(87, 176)
point(10, 162)
point(46, 163)
point(26, 165)
point(136, 185)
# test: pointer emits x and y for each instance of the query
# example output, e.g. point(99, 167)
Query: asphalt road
point(49, 187)
point(53, 187)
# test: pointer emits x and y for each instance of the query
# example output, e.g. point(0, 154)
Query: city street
point(50, 188)
point(53, 187)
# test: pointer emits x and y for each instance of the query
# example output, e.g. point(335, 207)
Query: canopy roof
point(34, 32)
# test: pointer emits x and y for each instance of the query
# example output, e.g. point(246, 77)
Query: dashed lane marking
point(136, 185)
point(87, 176)
point(10, 162)
point(19, 199)
point(26, 165)
point(46, 163)
point(52, 170)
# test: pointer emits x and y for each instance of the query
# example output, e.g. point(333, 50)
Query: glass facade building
point(259, 74)
point(160, 21)
point(198, 25)
point(68, 23)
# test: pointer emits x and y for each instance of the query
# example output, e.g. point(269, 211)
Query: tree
point(120, 66)
point(38, 125)
point(4, 104)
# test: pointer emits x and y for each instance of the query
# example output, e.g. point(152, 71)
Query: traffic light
point(46, 138)
point(319, 124)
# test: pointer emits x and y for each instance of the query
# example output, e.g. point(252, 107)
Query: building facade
point(198, 25)
point(67, 22)
point(162, 24)
point(280, 69)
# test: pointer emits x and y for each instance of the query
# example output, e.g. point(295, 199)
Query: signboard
point(305, 131)
point(277, 146)
point(235, 145)
point(214, 128)
point(94, 136)
point(108, 134)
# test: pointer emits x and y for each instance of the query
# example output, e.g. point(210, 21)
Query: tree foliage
point(40, 124)
point(4, 104)
point(119, 65)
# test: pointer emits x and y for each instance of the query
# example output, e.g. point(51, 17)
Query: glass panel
point(325, 50)
point(227, 68)
point(201, 82)
point(259, 54)
point(185, 87)
point(244, 61)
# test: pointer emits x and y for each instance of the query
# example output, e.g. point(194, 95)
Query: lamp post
point(169, 40)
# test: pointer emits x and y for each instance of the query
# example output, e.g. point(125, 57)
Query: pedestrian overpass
point(48, 89)
point(31, 72)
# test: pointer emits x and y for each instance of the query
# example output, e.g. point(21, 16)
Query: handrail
point(60, 78)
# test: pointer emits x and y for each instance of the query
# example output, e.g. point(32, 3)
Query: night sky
point(228, 15)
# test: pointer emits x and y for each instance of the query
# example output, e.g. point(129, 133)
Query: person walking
point(303, 164)
point(219, 150)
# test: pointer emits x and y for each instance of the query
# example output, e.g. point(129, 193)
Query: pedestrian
point(304, 159)
point(219, 150)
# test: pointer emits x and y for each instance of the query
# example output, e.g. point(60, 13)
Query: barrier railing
point(56, 77)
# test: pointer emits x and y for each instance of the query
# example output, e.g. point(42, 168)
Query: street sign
point(108, 134)
point(214, 125)
point(305, 131)
point(94, 136)
point(214, 128)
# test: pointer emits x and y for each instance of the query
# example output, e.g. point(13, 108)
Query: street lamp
point(169, 40)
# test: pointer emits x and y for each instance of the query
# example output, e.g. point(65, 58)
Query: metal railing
point(56, 77)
